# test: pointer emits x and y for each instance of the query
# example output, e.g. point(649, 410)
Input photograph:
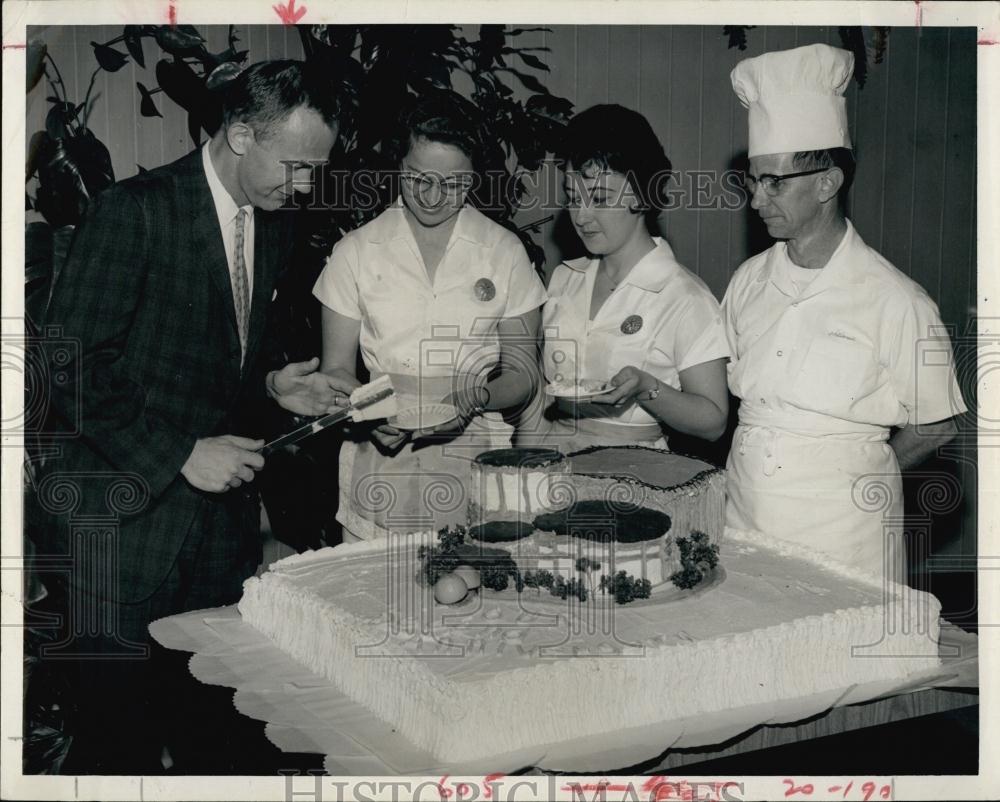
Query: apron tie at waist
point(614, 432)
point(808, 424)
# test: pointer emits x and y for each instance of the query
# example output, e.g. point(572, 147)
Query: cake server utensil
point(371, 401)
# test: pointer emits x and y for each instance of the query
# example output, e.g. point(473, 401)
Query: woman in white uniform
point(446, 302)
point(628, 313)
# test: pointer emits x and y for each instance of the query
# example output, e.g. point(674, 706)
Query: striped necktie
point(241, 287)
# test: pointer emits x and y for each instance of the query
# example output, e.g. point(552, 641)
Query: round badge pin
point(485, 290)
point(631, 324)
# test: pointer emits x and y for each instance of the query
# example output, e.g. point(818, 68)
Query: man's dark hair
point(830, 157)
point(267, 92)
point(612, 137)
point(443, 118)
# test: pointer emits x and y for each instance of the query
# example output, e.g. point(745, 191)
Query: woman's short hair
point(444, 118)
point(267, 92)
point(612, 137)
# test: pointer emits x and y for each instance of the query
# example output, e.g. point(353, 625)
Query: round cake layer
point(625, 496)
point(520, 458)
point(500, 531)
point(603, 520)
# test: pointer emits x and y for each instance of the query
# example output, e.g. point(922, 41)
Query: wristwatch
point(479, 409)
point(653, 394)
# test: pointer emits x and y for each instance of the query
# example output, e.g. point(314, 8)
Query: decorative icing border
point(698, 480)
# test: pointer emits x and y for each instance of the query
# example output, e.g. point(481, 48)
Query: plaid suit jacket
point(146, 299)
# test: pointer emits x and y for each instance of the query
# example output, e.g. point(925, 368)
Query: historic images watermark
point(501, 788)
point(367, 191)
point(87, 506)
point(938, 492)
point(46, 362)
point(452, 362)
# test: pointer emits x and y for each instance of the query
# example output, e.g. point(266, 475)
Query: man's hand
point(218, 464)
point(627, 383)
point(300, 388)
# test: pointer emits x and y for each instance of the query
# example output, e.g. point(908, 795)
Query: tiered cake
point(624, 507)
point(510, 486)
point(506, 671)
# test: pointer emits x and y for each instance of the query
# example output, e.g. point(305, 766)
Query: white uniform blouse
point(423, 333)
point(661, 319)
point(410, 325)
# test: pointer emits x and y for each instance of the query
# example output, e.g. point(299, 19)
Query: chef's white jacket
point(822, 376)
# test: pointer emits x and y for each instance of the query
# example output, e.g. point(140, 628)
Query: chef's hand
point(468, 402)
point(627, 383)
point(300, 388)
point(389, 437)
point(218, 464)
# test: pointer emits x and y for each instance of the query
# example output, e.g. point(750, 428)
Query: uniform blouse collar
point(472, 225)
point(651, 273)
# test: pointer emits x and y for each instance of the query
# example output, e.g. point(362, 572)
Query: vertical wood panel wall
point(913, 126)
point(132, 139)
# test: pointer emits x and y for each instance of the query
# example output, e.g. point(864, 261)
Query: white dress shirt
point(226, 209)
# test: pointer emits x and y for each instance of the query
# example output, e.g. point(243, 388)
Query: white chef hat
point(795, 98)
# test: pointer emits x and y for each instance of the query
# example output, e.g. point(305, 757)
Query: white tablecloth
point(305, 713)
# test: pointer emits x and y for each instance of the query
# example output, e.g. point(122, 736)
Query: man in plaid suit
point(166, 293)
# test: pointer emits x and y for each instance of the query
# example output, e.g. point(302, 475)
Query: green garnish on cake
point(698, 557)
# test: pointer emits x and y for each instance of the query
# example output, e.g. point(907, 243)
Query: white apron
point(823, 483)
point(823, 375)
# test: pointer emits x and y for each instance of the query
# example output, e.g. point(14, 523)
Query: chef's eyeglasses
point(424, 183)
point(772, 183)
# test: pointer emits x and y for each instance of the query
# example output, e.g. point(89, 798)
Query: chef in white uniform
point(629, 313)
point(444, 301)
point(840, 362)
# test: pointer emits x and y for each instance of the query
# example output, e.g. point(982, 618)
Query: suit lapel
point(208, 245)
point(207, 241)
point(265, 263)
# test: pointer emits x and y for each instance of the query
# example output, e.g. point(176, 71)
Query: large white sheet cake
point(502, 671)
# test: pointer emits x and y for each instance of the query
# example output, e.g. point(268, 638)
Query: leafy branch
point(853, 38)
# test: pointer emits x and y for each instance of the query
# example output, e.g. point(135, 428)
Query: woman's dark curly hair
point(444, 118)
point(612, 137)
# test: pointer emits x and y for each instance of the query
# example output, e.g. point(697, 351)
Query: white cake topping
point(501, 672)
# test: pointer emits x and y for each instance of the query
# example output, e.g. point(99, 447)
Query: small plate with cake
point(584, 388)
point(424, 416)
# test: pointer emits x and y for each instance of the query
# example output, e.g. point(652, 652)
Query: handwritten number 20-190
point(867, 789)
